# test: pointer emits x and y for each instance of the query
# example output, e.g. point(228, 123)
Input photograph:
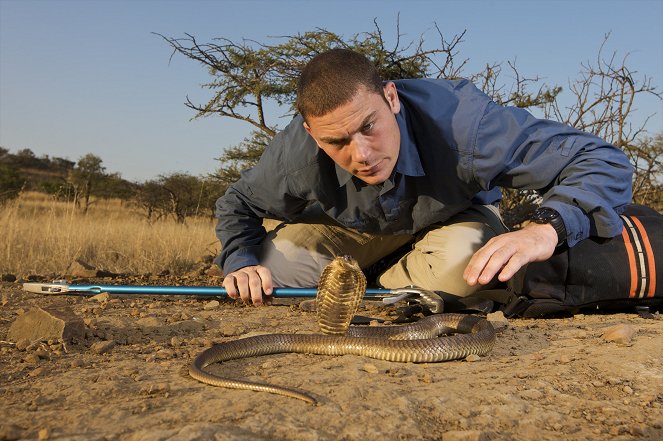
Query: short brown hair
point(332, 79)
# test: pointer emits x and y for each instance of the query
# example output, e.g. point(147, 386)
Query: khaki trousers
point(296, 253)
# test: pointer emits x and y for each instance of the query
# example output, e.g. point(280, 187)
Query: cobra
point(340, 291)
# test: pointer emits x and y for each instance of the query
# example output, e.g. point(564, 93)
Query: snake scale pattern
point(342, 286)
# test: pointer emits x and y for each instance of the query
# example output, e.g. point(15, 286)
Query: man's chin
point(372, 180)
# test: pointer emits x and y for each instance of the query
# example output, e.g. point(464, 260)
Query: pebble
point(31, 358)
point(230, 330)
point(164, 354)
point(44, 434)
point(370, 368)
point(627, 390)
point(498, 320)
point(23, 344)
point(308, 305)
point(10, 432)
point(37, 372)
point(472, 358)
point(531, 394)
point(101, 298)
point(621, 334)
point(212, 304)
point(176, 341)
point(102, 347)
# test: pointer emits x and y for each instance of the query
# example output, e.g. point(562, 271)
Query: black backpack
point(622, 273)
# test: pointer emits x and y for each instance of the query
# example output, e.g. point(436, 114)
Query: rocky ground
point(124, 377)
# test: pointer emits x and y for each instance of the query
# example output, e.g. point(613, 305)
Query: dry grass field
point(41, 235)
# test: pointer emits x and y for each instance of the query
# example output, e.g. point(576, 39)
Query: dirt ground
point(545, 379)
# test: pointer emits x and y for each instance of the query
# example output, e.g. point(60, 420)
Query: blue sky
point(81, 77)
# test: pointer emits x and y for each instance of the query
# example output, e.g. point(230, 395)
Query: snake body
point(341, 288)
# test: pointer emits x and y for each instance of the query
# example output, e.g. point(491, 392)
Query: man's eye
point(368, 127)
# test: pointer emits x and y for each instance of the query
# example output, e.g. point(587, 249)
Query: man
point(368, 167)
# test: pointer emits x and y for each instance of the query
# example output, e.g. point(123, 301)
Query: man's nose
point(361, 150)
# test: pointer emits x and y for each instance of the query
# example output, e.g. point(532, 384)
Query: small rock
point(43, 324)
point(531, 394)
point(269, 364)
point(308, 305)
point(627, 390)
point(621, 334)
point(472, 358)
point(176, 341)
point(214, 271)
point(8, 278)
point(37, 372)
point(231, 330)
point(614, 381)
point(212, 304)
point(598, 383)
point(23, 344)
point(164, 354)
point(10, 432)
point(44, 434)
point(77, 363)
point(498, 320)
point(42, 354)
point(102, 347)
point(32, 359)
point(101, 298)
point(370, 368)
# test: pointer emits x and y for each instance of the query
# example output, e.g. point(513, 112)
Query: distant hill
point(52, 174)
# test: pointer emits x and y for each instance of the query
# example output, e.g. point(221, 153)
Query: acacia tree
point(87, 173)
point(249, 77)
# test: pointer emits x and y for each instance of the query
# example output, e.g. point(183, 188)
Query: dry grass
point(44, 236)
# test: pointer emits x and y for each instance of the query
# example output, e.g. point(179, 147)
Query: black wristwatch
point(545, 215)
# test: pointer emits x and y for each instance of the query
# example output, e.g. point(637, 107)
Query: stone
point(498, 320)
point(10, 432)
point(472, 358)
point(308, 305)
point(214, 271)
point(370, 368)
point(531, 394)
point(50, 323)
point(8, 278)
point(23, 344)
point(101, 298)
point(212, 304)
point(102, 347)
point(621, 334)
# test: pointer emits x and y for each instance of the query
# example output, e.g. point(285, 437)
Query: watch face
point(544, 215)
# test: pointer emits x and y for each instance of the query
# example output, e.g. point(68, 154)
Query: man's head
point(351, 113)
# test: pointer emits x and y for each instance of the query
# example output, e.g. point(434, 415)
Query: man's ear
point(391, 95)
point(308, 130)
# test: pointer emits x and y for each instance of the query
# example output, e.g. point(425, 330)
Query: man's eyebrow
point(333, 140)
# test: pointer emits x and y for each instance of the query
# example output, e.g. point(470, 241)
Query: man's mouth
point(370, 171)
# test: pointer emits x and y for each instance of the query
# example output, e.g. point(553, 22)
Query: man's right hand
point(249, 283)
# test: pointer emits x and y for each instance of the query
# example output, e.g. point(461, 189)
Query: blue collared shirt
point(457, 148)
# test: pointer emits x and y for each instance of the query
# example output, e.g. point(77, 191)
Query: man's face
point(361, 136)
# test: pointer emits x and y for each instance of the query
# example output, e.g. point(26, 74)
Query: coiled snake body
point(341, 288)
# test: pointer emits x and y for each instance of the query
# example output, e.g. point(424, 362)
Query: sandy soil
point(544, 380)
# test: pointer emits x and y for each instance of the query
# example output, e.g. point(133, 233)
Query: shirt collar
point(408, 162)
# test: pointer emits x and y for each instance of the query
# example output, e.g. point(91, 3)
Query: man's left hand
point(507, 253)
